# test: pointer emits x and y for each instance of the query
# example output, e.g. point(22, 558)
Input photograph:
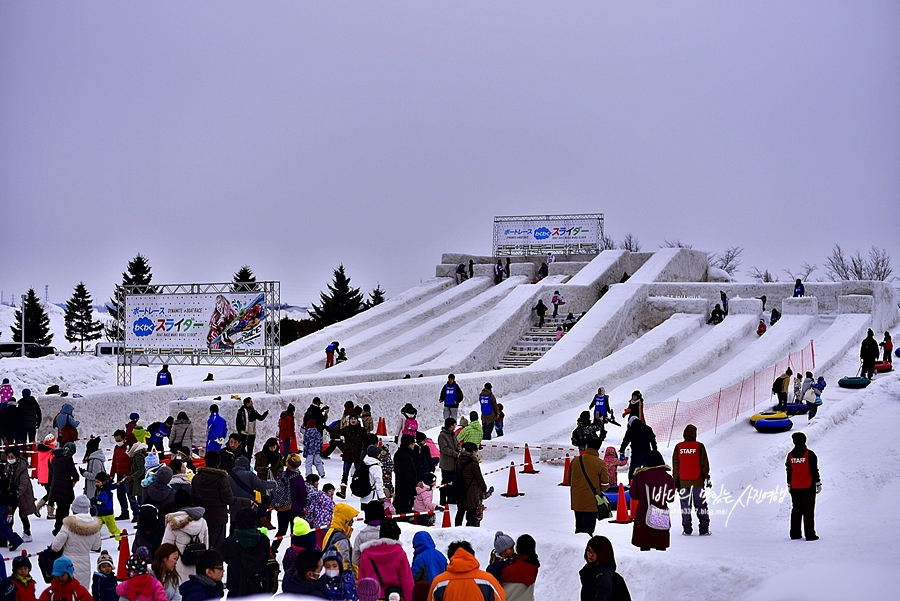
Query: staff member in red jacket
point(121, 467)
point(690, 468)
point(804, 483)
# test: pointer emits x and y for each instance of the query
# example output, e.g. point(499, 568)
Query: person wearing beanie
point(303, 537)
point(385, 560)
point(448, 449)
point(22, 580)
point(427, 562)
point(64, 584)
point(63, 477)
point(78, 537)
point(804, 484)
point(184, 525)
point(44, 455)
point(213, 492)
point(868, 354)
point(104, 582)
point(469, 485)
point(312, 448)
point(652, 484)
point(368, 589)
point(502, 555)
point(30, 415)
point(156, 501)
point(141, 584)
point(374, 515)
point(339, 583)
point(519, 575)
point(319, 506)
point(246, 552)
point(690, 468)
point(95, 459)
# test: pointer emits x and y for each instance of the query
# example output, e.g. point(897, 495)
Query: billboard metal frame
point(540, 249)
point(268, 357)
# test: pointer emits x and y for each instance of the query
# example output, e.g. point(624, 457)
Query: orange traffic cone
point(566, 472)
point(382, 427)
point(529, 468)
point(621, 508)
point(512, 488)
point(124, 554)
point(446, 523)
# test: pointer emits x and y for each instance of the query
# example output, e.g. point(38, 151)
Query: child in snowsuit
point(102, 502)
point(612, 465)
point(22, 580)
point(103, 587)
point(339, 583)
point(312, 448)
point(425, 501)
point(407, 423)
point(888, 345)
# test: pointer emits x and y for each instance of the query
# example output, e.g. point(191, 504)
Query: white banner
point(547, 232)
point(181, 323)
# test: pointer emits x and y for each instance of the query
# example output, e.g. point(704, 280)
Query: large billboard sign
point(195, 324)
point(547, 233)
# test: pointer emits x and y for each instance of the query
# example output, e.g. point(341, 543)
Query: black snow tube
point(854, 382)
point(773, 426)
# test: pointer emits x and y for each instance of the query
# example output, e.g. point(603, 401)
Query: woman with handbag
point(589, 478)
point(654, 489)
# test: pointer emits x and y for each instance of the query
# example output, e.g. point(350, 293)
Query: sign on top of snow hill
point(225, 323)
point(542, 234)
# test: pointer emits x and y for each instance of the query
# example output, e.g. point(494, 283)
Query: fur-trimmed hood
point(212, 470)
point(135, 449)
point(655, 467)
point(182, 520)
point(376, 542)
point(82, 524)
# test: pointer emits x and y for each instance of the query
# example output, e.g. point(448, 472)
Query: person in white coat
point(79, 535)
point(182, 526)
point(371, 463)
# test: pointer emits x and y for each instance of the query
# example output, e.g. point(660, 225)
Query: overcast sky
point(293, 136)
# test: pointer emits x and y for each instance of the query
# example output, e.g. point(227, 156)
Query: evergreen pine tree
point(137, 274)
point(341, 302)
point(37, 324)
point(376, 297)
point(80, 326)
point(244, 280)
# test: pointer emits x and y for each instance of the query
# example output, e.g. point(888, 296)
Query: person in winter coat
point(366, 417)
point(246, 552)
point(543, 271)
point(339, 583)
point(423, 455)
point(183, 526)
point(799, 290)
point(102, 502)
point(216, 430)
point(556, 301)
point(642, 440)
point(20, 485)
point(868, 353)
point(8, 500)
point(407, 424)
point(64, 585)
point(338, 535)
point(451, 397)
point(244, 484)
point(541, 309)
point(724, 301)
point(137, 452)
point(66, 424)
point(385, 560)
point(813, 397)
point(489, 410)
point(44, 457)
point(302, 538)
point(635, 406)
point(13, 431)
point(207, 582)
point(652, 484)
point(119, 470)
point(449, 447)
point(775, 316)
point(472, 432)
point(231, 451)
point(887, 346)
point(104, 582)
point(690, 469)
point(212, 491)
point(286, 431)
point(373, 513)
point(581, 496)
point(586, 430)
point(30, 414)
point(424, 502)
point(140, 431)
point(296, 487)
point(471, 486)
point(354, 435)
point(269, 463)
point(406, 474)
point(312, 448)
point(79, 536)
point(498, 272)
point(716, 316)
point(6, 392)
point(141, 585)
point(428, 563)
point(804, 483)
point(305, 579)
point(164, 376)
point(22, 580)
point(761, 328)
point(373, 468)
point(182, 433)
point(518, 577)
point(612, 461)
point(164, 568)
point(599, 580)
point(95, 459)
point(601, 409)
point(463, 579)
point(246, 420)
point(156, 501)
point(781, 386)
point(63, 477)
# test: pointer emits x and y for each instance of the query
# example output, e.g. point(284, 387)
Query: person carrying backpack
point(367, 483)
point(66, 424)
point(186, 527)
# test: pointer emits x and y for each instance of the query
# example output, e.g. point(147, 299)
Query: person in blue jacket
point(164, 377)
point(428, 562)
point(601, 409)
point(216, 430)
point(157, 434)
point(799, 290)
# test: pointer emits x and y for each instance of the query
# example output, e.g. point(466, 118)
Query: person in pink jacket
point(141, 584)
point(612, 466)
point(385, 560)
point(425, 500)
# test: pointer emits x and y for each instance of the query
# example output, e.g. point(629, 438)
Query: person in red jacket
point(287, 432)
point(385, 560)
point(463, 581)
point(804, 484)
point(690, 468)
point(121, 467)
point(63, 584)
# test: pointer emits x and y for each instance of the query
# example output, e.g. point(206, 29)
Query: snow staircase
point(532, 345)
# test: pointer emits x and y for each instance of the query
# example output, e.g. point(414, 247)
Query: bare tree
point(631, 243)
point(856, 267)
point(805, 271)
point(765, 276)
point(606, 243)
point(728, 261)
point(675, 243)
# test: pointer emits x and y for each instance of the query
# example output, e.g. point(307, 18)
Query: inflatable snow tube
point(881, 366)
point(767, 415)
point(794, 408)
point(773, 426)
point(854, 382)
point(613, 496)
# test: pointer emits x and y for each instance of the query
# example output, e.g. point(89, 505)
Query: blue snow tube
point(795, 408)
point(854, 382)
point(613, 496)
point(773, 426)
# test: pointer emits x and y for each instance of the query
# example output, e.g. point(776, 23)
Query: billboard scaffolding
point(201, 324)
point(533, 235)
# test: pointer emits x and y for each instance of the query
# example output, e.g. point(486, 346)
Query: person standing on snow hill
point(330, 350)
point(601, 408)
point(888, 345)
point(247, 417)
point(471, 268)
point(461, 273)
point(781, 386)
point(164, 377)
point(868, 353)
point(216, 430)
point(804, 484)
point(498, 272)
point(724, 298)
point(451, 397)
point(642, 440)
point(690, 468)
point(635, 406)
point(489, 411)
point(799, 290)
point(541, 310)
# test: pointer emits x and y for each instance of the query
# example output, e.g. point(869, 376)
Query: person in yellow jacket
point(338, 535)
point(463, 580)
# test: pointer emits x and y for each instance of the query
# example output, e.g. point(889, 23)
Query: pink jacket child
point(6, 392)
point(611, 457)
point(425, 501)
point(393, 565)
point(141, 585)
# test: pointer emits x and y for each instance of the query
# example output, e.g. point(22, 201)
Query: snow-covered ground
point(749, 555)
